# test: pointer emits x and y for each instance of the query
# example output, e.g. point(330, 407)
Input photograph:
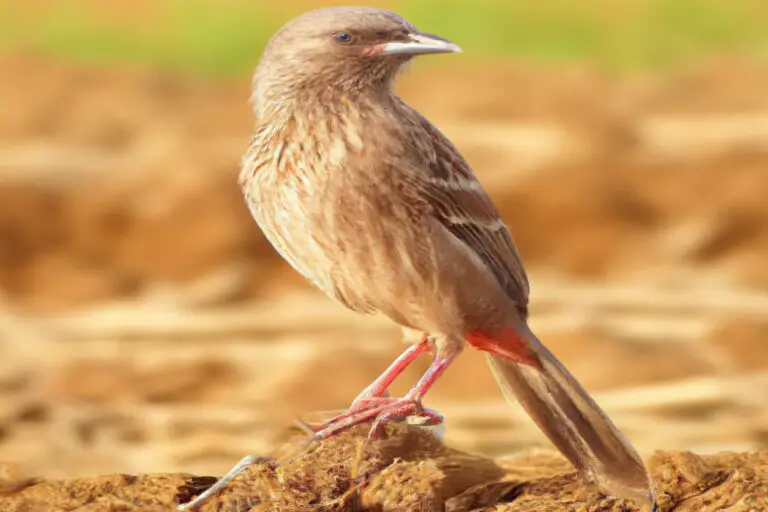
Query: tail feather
point(572, 420)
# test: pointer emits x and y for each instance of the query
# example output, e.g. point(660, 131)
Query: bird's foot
point(405, 409)
point(380, 410)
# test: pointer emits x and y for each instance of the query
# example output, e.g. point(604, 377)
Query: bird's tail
point(572, 420)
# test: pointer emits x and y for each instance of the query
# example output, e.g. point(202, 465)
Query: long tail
point(573, 421)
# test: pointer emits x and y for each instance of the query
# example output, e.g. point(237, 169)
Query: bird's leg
point(410, 404)
point(376, 393)
point(396, 408)
point(378, 388)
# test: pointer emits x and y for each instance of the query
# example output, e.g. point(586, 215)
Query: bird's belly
point(421, 279)
point(405, 268)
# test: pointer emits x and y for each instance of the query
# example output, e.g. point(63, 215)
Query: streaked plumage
point(376, 207)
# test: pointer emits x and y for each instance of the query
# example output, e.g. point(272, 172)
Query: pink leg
point(375, 394)
point(395, 408)
point(379, 387)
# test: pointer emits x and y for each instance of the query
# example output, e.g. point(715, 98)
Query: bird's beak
point(419, 43)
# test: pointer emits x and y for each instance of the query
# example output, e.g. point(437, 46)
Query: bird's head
point(342, 49)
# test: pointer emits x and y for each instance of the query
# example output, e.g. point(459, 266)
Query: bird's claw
point(404, 409)
point(380, 410)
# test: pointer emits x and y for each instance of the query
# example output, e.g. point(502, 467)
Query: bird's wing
point(457, 199)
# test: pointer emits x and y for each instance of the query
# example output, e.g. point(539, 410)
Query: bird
point(377, 208)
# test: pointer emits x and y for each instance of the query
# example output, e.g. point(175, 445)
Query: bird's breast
point(337, 209)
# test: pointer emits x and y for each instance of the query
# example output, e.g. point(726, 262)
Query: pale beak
point(419, 43)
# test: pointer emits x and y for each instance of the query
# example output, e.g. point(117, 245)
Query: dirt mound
point(406, 471)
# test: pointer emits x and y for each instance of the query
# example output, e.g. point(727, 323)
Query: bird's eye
point(343, 37)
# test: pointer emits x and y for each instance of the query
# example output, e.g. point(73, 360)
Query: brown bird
point(377, 208)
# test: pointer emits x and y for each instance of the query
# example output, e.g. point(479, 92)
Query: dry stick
point(223, 482)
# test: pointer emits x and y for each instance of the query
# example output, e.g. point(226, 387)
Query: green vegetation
point(225, 37)
point(619, 33)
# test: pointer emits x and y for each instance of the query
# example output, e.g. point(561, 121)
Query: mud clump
point(408, 470)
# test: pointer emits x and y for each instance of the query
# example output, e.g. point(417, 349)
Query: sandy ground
point(410, 470)
point(148, 328)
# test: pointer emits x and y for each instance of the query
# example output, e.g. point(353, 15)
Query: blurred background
point(146, 325)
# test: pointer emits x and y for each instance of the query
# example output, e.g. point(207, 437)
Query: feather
point(457, 199)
